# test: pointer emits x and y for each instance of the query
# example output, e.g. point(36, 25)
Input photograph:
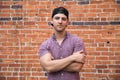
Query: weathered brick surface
point(24, 25)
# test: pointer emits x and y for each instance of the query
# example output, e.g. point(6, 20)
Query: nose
point(60, 21)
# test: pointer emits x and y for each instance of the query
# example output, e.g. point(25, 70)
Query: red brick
point(12, 78)
point(8, 61)
point(14, 65)
point(114, 49)
point(37, 74)
point(102, 49)
point(102, 58)
point(22, 78)
point(94, 53)
point(88, 75)
point(2, 78)
point(101, 75)
point(96, 2)
point(114, 58)
point(90, 15)
point(114, 66)
point(101, 66)
point(88, 70)
point(23, 73)
point(115, 76)
point(3, 57)
point(106, 71)
point(91, 58)
point(43, 78)
point(103, 6)
point(109, 10)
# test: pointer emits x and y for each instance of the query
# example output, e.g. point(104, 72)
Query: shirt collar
point(67, 35)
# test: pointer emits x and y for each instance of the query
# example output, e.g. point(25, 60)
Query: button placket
point(62, 74)
point(61, 53)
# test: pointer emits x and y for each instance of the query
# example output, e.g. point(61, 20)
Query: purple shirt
point(70, 44)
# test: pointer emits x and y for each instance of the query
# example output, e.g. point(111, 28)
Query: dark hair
point(60, 10)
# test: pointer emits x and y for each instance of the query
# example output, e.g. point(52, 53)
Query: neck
point(60, 35)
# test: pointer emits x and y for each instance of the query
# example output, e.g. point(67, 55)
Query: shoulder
point(44, 47)
point(46, 43)
point(75, 38)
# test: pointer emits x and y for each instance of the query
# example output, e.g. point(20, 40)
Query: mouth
point(60, 25)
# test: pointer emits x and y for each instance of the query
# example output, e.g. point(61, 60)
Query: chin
point(59, 31)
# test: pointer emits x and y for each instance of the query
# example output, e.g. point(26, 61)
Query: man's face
point(60, 22)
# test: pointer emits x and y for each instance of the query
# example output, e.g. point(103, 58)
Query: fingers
point(81, 58)
point(81, 51)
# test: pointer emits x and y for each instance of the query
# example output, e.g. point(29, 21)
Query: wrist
point(72, 58)
point(81, 62)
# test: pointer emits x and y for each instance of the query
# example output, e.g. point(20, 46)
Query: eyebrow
point(61, 17)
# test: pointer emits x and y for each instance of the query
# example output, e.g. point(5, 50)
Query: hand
point(79, 56)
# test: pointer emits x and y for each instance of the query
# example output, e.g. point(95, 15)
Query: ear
point(68, 22)
point(51, 23)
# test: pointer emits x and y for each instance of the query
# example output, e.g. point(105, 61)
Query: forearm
point(74, 67)
point(51, 65)
point(56, 65)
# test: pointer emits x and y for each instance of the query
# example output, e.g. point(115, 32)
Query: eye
point(57, 18)
point(64, 19)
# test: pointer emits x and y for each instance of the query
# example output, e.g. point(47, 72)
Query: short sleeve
point(79, 45)
point(44, 48)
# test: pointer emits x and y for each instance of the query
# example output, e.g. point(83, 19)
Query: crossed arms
point(72, 63)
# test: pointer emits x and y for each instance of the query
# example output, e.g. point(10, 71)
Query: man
point(63, 54)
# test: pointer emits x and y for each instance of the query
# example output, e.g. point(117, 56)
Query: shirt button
point(61, 57)
point(62, 74)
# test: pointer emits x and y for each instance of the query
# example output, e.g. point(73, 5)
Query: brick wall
point(24, 25)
